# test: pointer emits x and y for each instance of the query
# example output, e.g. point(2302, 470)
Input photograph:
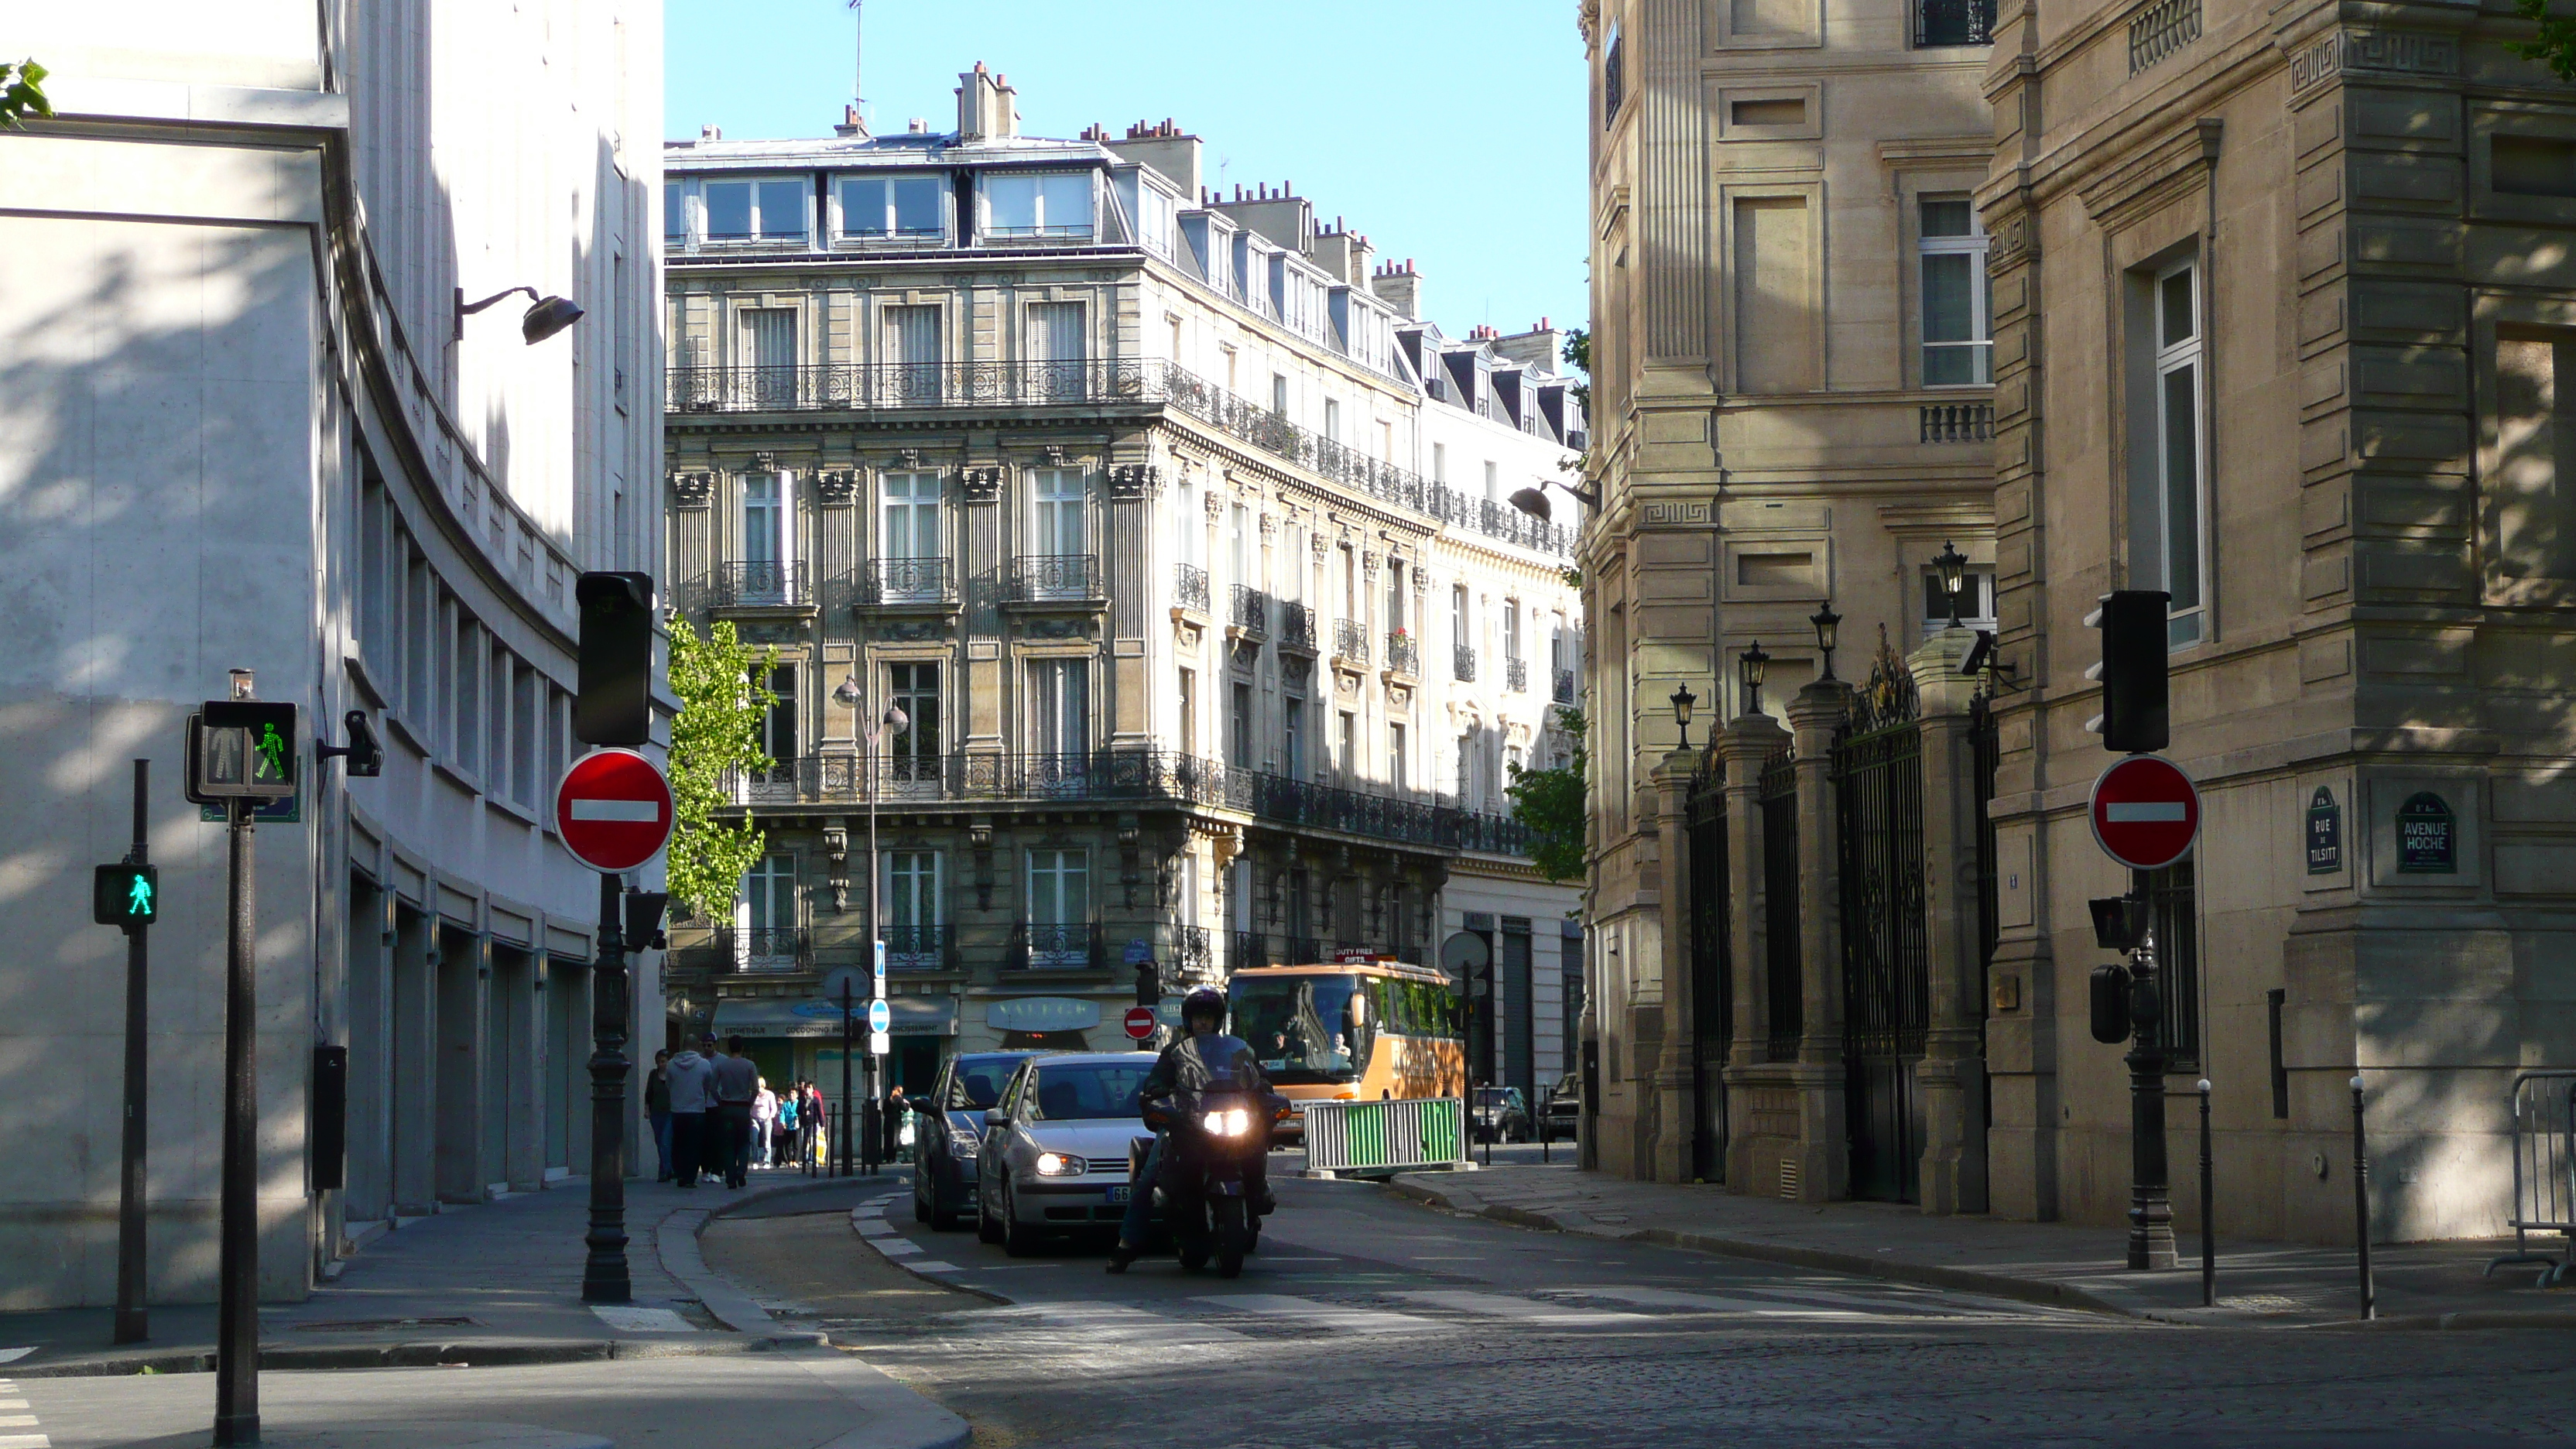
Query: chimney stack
point(987, 107)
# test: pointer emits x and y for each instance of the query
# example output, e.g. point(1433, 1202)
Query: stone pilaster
point(1761, 1105)
point(1676, 1066)
point(1824, 1157)
point(1950, 1080)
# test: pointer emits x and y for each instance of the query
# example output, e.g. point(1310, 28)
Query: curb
point(472, 1353)
point(899, 1260)
point(732, 1307)
point(2463, 1321)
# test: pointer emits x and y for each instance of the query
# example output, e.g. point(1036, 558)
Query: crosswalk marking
point(1308, 1312)
point(25, 1441)
point(1521, 1310)
point(1119, 1322)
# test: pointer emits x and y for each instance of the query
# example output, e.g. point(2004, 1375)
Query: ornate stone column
point(1824, 1156)
point(1675, 1066)
point(1760, 1104)
point(1950, 1080)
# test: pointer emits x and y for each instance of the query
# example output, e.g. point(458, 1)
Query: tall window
point(527, 743)
point(1056, 521)
point(1493, 481)
point(1060, 706)
point(2168, 488)
point(1189, 712)
point(1059, 904)
point(1052, 205)
point(1056, 348)
point(778, 726)
point(763, 567)
point(1240, 544)
point(675, 217)
point(769, 341)
point(1396, 773)
point(1394, 594)
point(767, 941)
point(1348, 756)
point(1292, 739)
point(469, 693)
point(1238, 746)
point(1512, 630)
point(912, 347)
point(1614, 78)
point(1466, 766)
point(912, 910)
point(1957, 322)
point(1440, 462)
point(1458, 618)
point(910, 564)
point(1332, 420)
point(893, 206)
point(1976, 600)
point(1279, 393)
point(912, 753)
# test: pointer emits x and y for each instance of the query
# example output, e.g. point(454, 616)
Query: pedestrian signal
point(241, 749)
point(125, 895)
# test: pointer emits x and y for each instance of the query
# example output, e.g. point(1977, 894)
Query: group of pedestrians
point(713, 1114)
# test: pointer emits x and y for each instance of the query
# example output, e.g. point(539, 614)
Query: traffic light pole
point(132, 1323)
point(603, 1275)
point(2151, 1239)
point(237, 1327)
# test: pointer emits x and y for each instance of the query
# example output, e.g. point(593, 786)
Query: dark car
point(949, 1131)
point(1502, 1115)
point(1563, 1114)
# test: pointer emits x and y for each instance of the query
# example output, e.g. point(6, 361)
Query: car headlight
point(963, 1144)
point(1232, 1122)
point(1057, 1164)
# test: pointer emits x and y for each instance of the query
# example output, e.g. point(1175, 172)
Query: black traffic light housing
point(241, 749)
point(2110, 1004)
point(644, 919)
point(615, 703)
point(1149, 984)
point(125, 895)
point(2134, 644)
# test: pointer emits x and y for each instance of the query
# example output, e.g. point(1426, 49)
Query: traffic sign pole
point(604, 1277)
point(132, 1323)
point(2146, 815)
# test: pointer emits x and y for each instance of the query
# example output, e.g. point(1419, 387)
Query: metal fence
point(907, 581)
point(1463, 666)
point(2544, 1171)
point(1516, 675)
point(1251, 611)
point(1403, 655)
point(1351, 640)
point(1190, 587)
point(1054, 946)
point(1887, 1003)
point(1296, 627)
point(1372, 1138)
point(1037, 577)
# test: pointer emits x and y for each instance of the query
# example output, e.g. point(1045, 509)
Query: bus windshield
point(1302, 1027)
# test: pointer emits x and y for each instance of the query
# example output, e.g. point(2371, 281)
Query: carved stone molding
point(1057, 628)
point(764, 462)
point(1317, 543)
point(692, 490)
point(1368, 562)
point(1054, 455)
point(1269, 526)
point(1134, 480)
point(2384, 52)
point(980, 485)
point(910, 631)
point(1214, 504)
point(907, 457)
point(1675, 515)
point(837, 487)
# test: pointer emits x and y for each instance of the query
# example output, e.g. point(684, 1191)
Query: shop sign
point(1042, 1013)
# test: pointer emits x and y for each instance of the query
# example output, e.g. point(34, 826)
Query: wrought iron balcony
point(755, 584)
point(921, 948)
point(907, 581)
point(1351, 640)
point(1054, 946)
point(1516, 675)
point(1565, 686)
point(1296, 627)
point(1956, 422)
point(1251, 611)
point(1954, 22)
point(1055, 577)
point(1190, 587)
point(1191, 948)
point(1464, 667)
point(726, 949)
point(1403, 654)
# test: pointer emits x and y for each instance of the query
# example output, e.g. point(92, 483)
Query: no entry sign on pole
point(2146, 814)
point(614, 809)
point(1140, 1022)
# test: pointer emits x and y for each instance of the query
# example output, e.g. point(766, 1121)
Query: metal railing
point(1192, 947)
point(2544, 1171)
point(1351, 640)
point(1190, 587)
point(907, 581)
point(763, 583)
point(737, 948)
point(1251, 611)
point(1403, 654)
point(1954, 22)
point(1054, 946)
point(900, 385)
point(1516, 675)
point(1464, 666)
point(921, 947)
point(1956, 422)
point(1296, 627)
point(1371, 1138)
point(1564, 686)
point(1037, 577)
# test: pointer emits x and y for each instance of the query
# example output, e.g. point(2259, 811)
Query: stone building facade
point(1131, 498)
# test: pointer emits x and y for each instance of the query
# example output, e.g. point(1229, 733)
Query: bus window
point(1305, 1029)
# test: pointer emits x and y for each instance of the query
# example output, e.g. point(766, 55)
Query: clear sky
point(1448, 131)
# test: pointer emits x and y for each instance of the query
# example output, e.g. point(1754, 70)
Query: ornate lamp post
point(1753, 664)
point(1952, 566)
point(1683, 699)
point(1829, 626)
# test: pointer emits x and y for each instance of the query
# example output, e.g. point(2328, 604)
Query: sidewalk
point(2420, 1285)
point(493, 1284)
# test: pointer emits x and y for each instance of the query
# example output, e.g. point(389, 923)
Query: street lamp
point(1533, 501)
point(1754, 664)
point(1683, 699)
point(893, 719)
point(545, 317)
point(846, 693)
point(1953, 568)
point(1829, 627)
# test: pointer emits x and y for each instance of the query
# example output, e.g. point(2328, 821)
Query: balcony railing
point(1054, 946)
point(1040, 577)
point(732, 948)
point(1465, 665)
point(1190, 587)
point(1403, 654)
point(1564, 686)
point(764, 583)
point(907, 581)
point(921, 948)
point(1147, 776)
point(1191, 948)
point(1351, 640)
point(901, 385)
point(1251, 611)
point(1954, 22)
point(1516, 675)
point(1296, 627)
point(1957, 422)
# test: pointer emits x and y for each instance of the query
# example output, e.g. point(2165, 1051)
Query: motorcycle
point(1218, 1134)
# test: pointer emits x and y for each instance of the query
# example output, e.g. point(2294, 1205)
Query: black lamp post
point(1829, 627)
point(1683, 699)
point(1953, 568)
point(1754, 664)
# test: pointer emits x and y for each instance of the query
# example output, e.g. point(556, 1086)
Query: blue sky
point(1452, 133)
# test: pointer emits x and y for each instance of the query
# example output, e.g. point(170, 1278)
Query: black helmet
point(1204, 1000)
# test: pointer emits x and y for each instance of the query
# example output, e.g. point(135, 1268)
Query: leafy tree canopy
point(723, 688)
point(22, 92)
point(2554, 46)
point(1550, 803)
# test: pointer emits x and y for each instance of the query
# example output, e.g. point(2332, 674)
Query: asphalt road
point(1370, 1321)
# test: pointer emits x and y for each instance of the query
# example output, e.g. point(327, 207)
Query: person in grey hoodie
point(737, 1082)
point(693, 1083)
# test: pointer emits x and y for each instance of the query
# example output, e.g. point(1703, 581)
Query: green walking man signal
point(125, 895)
point(241, 749)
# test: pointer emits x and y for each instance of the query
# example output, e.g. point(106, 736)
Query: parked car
point(1055, 1148)
point(1502, 1115)
point(1563, 1112)
point(949, 1133)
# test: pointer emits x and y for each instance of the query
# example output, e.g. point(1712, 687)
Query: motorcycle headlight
point(1057, 1164)
point(1231, 1122)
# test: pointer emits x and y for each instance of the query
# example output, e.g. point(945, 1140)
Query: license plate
point(1118, 1194)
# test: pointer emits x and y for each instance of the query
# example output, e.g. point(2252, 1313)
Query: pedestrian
point(737, 1082)
point(817, 1150)
point(764, 1123)
point(898, 1122)
point(785, 1155)
point(657, 1106)
point(692, 1078)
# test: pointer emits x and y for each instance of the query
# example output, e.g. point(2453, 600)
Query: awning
point(784, 1017)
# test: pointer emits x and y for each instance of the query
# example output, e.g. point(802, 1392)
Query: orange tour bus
point(1362, 1030)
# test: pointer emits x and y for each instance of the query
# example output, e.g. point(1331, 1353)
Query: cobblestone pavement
point(1375, 1324)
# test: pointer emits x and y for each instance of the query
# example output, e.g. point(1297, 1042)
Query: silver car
point(1055, 1148)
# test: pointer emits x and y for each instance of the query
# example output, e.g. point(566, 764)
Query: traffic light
point(644, 919)
point(615, 705)
point(125, 895)
point(2132, 671)
point(1149, 984)
point(241, 749)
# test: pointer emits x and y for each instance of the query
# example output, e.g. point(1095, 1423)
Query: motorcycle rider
point(1204, 1051)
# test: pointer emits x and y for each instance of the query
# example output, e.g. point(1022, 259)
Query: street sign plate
point(880, 1017)
point(2146, 813)
point(1140, 1022)
point(1139, 951)
point(614, 809)
point(878, 1045)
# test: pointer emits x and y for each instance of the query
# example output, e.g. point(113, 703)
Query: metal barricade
point(2544, 1170)
point(1376, 1138)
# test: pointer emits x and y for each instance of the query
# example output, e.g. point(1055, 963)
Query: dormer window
point(881, 207)
point(1040, 204)
point(765, 210)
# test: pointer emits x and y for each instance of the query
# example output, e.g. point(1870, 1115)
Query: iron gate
point(1711, 967)
point(1878, 794)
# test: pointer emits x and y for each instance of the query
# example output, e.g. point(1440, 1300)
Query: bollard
point(2361, 1202)
point(2208, 1208)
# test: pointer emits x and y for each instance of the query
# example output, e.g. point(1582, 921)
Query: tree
point(2554, 46)
point(1550, 803)
point(1578, 355)
point(723, 689)
point(22, 92)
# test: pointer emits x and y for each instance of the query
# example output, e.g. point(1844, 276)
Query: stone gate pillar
point(1761, 1105)
point(1676, 1066)
point(1950, 1080)
point(1824, 1152)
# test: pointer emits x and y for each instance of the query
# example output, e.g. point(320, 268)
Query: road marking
point(933, 1265)
point(1308, 1312)
point(894, 1247)
point(25, 1441)
point(642, 1320)
point(17, 1421)
point(1522, 1310)
point(1118, 1322)
point(875, 1228)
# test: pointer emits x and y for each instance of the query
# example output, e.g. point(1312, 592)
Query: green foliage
point(723, 689)
point(2554, 46)
point(1578, 354)
point(1573, 578)
point(22, 92)
point(1550, 803)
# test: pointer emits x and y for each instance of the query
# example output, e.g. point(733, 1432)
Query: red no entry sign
point(1140, 1022)
point(614, 809)
point(2145, 812)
